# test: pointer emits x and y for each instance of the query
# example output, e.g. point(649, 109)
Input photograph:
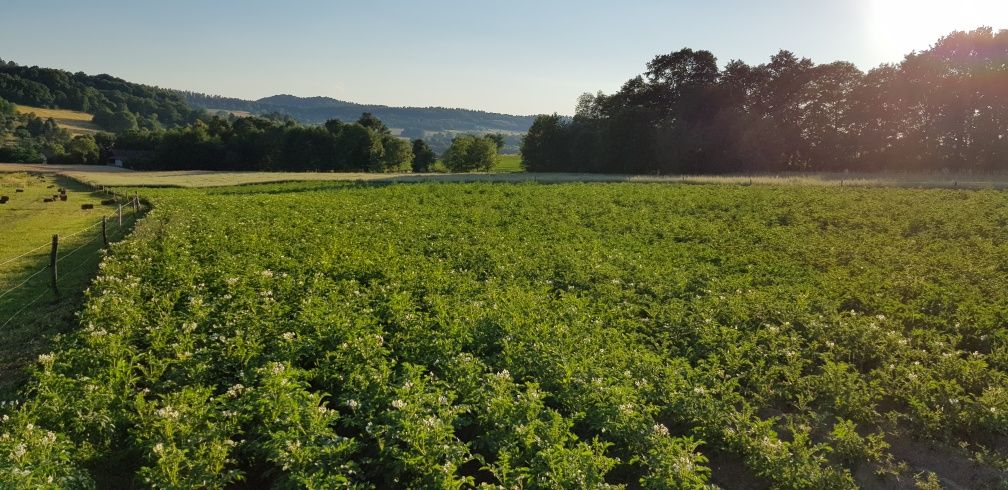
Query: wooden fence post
point(119, 211)
point(52, 263)
point(104, 231)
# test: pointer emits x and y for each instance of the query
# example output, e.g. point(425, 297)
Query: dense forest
point(438, 125)
point(317, 110)
point(945, 108)
point(118, 105)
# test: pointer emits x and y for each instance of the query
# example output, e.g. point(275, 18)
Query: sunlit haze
point(519, 56)
point(901, 26)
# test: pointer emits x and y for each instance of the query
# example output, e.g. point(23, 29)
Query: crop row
point(531, 336)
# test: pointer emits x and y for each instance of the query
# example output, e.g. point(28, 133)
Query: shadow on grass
point(31, 313)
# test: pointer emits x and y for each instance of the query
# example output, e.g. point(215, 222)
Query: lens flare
point(902, 26)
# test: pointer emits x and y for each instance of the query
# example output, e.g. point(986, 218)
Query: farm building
point(127, 158)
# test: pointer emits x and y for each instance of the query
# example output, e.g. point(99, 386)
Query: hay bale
point(87, 206)
point(19, 190)
point(4, 199)
point(108, 202)
point(48, 199)
point(63, 197)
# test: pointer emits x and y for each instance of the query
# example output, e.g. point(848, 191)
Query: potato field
point(606, 335)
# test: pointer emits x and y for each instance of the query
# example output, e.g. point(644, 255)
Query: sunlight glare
point(902, 26)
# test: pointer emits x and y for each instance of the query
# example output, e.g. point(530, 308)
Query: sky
point(515, 56)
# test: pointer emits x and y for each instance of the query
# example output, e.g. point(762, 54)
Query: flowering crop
point(530, 336)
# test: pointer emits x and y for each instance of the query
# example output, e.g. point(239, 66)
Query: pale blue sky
point(517, 56)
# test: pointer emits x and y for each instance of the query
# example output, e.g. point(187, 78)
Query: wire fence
point(108, 222)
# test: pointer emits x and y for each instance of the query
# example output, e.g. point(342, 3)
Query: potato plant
point(531, 336)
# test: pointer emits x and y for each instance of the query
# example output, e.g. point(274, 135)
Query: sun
point(902, 26)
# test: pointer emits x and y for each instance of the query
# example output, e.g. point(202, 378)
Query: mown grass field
point(31, 313)
point(535, 336)
point(75, 122)
point(118, 177)
point(509, 163)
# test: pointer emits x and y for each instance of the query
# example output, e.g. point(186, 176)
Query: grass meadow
point(31, 313)
point(118, 177)
point(75, 122)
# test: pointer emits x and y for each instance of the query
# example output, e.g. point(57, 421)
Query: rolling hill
point(414, 121)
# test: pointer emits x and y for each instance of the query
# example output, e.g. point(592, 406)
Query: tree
point(334, 126)
point(398, 154)
point(545, 147)
point(116, 122)
point(104, 140)
point(359, 148)
point(369, 121)
point(22, 153)
point(498, 140)
point(82, 150)
point(677, 78)
point(423, 156)
point(469, 153)
point(7, 108)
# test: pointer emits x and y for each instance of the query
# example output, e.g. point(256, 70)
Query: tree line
point(273, 142)
point(279, 143)
point(945, 108)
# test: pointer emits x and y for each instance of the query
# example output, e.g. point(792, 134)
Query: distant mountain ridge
point(414, 121)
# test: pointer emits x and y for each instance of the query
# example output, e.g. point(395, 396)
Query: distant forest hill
point(117, 105)
point(416, 122)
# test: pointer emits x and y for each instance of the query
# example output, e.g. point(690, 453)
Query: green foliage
point(853, 449)
point(296, 430)
point(686, 115)
point(256, 143)
point(423, 156)
point(371, 122)
point(543, 147)
point(186, 437)
point(397, 154)
point(82, 149)
point(32, 458)
point(538, 336)
point(471, 153)
point(360, 147)
point(22, 153)
point(7, 109)
point(120, 104)
point(435, 124)
point(116, 121)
